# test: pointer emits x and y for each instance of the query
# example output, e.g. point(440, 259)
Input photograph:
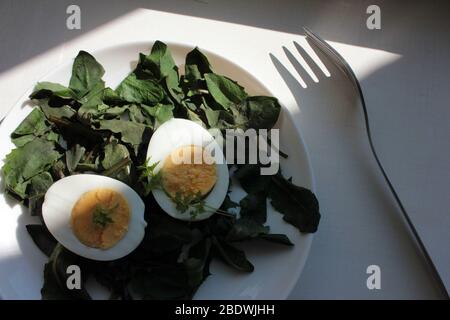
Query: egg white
point(176, 133)
point(57, 209)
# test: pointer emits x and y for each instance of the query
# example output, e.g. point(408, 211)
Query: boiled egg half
point(191, 166)
point(94, 216)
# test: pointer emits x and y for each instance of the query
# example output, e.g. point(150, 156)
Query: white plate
point(277, 268)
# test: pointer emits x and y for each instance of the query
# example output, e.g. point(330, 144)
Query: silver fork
point(343, 66)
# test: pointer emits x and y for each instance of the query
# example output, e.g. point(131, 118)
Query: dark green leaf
point(52, 136)
point(92, 103)
point(44, 90)
point(114, 153)
point(26, 162)
point(161, 62)
point(114, 275)
point(228, 203)
point(254, 207)
point(130, 132)
point(225, 91)
point(136, 115)
point(161, 112)
point(220, 225)
point(23, 140)
point(214, 113)
point(59, 169)
point(73, 157)
point(192, 78)
point(169, 282)
point(75, 132)
point(42, 238)
point(52, 290)
point(117, 168)
point(277, 238)
point(35, 123)
point(245, 229)
point(39, 185)
point(86, 74)
point(262, 112)
point(60, 112)
point(298, 205)
point(110, 97)
point(136, 90)
point(259, 112)
point(191, 115)
point(250, 178)
point(55, 276)
point(199, 60)
point(35, 206)
point(212, 116)
point(168, 234)
point(197, 264)
point(196, 66)
point(114, 112)
point(232, 256)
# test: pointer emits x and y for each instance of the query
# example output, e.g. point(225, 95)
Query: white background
point(403, 69)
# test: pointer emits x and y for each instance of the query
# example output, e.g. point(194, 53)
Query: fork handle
point(400, 204)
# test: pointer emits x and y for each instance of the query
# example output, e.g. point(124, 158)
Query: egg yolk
point(195, 175)
point(100, 218)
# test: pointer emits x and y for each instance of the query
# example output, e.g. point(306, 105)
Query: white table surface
point(403, 69)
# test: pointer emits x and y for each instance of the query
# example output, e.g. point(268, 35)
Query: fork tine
point(332, 70)
point(317, 71)
point(287, 76)
point(332, 54)
point(344, 67)
point(301, 71)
